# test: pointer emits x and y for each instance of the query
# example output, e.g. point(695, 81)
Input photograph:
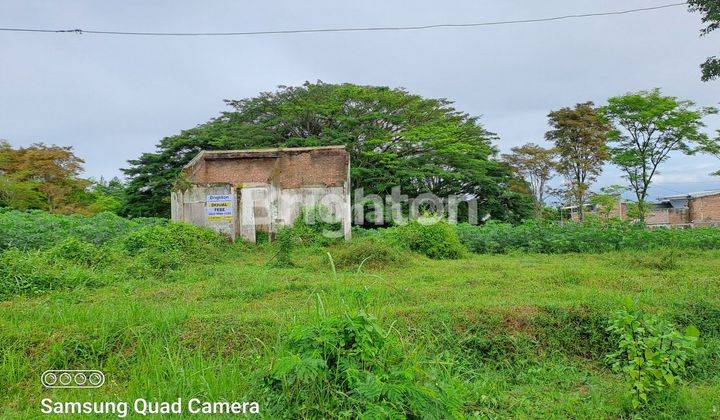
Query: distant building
point(241, 192)
point(690, 210)
point(620, 210)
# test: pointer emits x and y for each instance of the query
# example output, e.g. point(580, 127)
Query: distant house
point(690, 210)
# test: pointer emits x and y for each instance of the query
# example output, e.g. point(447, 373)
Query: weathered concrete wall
point(195, 206)
point(285, 168)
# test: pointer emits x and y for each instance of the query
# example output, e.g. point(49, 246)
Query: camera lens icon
point(72, 378)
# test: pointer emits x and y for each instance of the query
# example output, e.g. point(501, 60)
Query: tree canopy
point(579, 135)
point(394, 139)
point(536, 165)
point(648, 128)
point(710, 9)
point(40, 176)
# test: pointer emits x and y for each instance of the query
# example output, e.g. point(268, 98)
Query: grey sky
point(113, 98)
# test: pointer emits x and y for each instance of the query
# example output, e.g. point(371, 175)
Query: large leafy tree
point(537, 166)
point(648, 128)
point(394, 139)
point(579, 135)
point(41, 176)
point(710, 10)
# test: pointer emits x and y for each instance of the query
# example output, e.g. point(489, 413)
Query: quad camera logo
point(72, 379)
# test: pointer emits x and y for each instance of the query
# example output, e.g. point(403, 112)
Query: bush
point(317, 226)
point(180, 239)
point(366, 252)
point(438, 240)
point(651, 353)
point(131, 248)
point(284, 243)
point(347, 366)
point(38, 229)
point(591, 236)
point(79, 252)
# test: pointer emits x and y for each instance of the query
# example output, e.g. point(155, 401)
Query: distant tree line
point(395, 139)
point(636, 132)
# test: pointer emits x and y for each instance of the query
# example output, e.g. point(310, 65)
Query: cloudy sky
point(113, 97)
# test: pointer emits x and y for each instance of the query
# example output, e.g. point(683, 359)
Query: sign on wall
point(219, 208)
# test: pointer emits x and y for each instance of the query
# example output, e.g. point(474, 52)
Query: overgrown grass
point(519, 335)
point(147, 252)
point(37, 229)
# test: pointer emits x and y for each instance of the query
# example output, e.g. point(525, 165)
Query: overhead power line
point(347, 29)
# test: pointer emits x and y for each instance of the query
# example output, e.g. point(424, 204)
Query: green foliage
point(437, 240)
point(648, 128)
point(588, 237)
point(20, 195)
point(37, 229)
point(710, 69)
point(284, 244)
point(42, 252)
point(106, 196)
point(171, 245)
point(710, 9)
point(348, 366)
point(316, 225)
point(36, 272)
point(394, 139)
point(372, 251)
point(651, 353)
point(579, 135)
point(42, 177)
point(607, 200)
point(537, 166)
point(78, 251)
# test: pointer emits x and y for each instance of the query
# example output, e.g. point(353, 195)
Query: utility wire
point(359, 29)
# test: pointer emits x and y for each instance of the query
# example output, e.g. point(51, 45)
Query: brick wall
point(285, 168)
point(704, 209)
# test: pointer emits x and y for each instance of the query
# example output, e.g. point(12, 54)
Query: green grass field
point(515, 335)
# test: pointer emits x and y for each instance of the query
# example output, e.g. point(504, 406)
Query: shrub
point(438, 240)
point(347, 366)
point(78, 251)
point(366, 252)
point(191, 243)
point(591, 236)
point(651, 353)
point(37, 229)
point(317, 226)
point(284, 242)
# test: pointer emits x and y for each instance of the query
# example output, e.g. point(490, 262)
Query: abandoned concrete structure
point(241, 192)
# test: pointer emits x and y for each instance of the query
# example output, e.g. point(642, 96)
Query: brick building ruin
point(242, 192)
